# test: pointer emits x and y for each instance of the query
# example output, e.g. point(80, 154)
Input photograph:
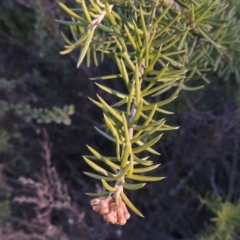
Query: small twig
point(47, 152)
point(233, 169)
point(212, 180)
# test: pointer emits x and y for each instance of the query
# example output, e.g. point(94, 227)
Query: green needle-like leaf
point(106, 160)
point(78, 42)
point(153, 61)
point(138, 85)
point(108, 187)
point(97, 168)
point(130, 205)
point(111, 159)
point(110, 109)
point(70, 23)
point(164, 111)
point(123, 71)
point(161, 16)
point(182, 4)
point(112, 91)
point(134, 27)
point(71, 13)
point(66, 51)
point(130, 171)
point(86, 46)
point(123, 172)
point(164, 40)
point(160, 104)
point(66, 39)
point(120, 103)
point(94, 4)
point(173, 43)
point(216, 11)
point(144, 162)
point(74, 31)
point(157, 89)
point(105, 135)
point(184, 87)
point(158, 127)
point(111, 126)
point(99, 177)
point(128, 61)
point(108, 77)
point(139, 110)
point(102, 194)
point(118, 149)
point(145, 178)
point(146, 169)
point(206, 11)
point(151, 150)
point(130, 37)
point(167, 26)
point(104, 28)
point(147, 145)
point(132, 186)
point(125, 128)
point(163, 90)
point(138, 39)
point(145, 127)
point(130, 98)
point(209, 38)
point(85, 11)
point(119, 45)
point(150, 116)
point(100, 105)
point(127, 151)
point(167, 127)
point(172, 62)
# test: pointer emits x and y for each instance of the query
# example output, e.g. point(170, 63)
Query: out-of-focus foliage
point(41, 115)
point(5, 208)
point(22, 31)
point(226, 221)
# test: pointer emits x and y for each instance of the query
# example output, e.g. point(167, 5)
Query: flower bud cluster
point(113, 213)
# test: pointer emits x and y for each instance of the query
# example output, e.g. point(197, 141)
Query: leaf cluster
point(158, 46)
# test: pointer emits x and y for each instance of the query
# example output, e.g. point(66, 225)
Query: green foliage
point(20, 29)
point(28, 28)
point(41, 115)
point(161, 48)
point(4, 208)
point(4, 139)
point(8, 85)
point(226, 220)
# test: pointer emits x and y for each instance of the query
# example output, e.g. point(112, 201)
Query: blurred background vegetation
point(46, 120)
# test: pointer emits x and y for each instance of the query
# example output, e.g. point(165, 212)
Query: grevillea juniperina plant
point(161, 47)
